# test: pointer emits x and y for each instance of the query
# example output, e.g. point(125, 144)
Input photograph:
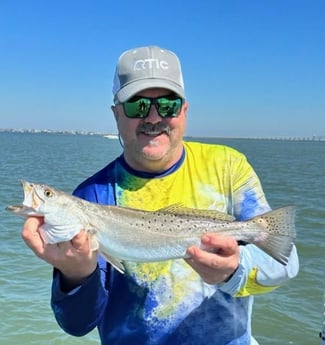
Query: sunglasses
point(138, 107)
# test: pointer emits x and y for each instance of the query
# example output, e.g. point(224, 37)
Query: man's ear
point(115, 112)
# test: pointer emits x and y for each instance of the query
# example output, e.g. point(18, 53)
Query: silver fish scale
point(135, 235)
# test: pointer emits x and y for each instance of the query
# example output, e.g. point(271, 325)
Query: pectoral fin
point(93, 243)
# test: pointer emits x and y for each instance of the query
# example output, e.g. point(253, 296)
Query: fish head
point(63, 214)
point(37, 198)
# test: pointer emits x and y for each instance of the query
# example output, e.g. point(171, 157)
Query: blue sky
point(251, 68)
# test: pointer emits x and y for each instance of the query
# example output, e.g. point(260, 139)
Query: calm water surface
point(292, 172)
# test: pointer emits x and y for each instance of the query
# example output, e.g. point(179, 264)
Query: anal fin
point(117, 264)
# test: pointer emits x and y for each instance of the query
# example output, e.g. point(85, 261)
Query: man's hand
point(73, 258)
point(218, 261)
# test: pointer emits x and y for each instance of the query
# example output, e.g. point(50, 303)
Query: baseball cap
point(147, 67)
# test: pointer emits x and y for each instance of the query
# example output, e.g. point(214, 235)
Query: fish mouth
point(32, 199)
point(21, 210)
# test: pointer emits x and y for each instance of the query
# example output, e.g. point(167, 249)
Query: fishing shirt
point(167, 303)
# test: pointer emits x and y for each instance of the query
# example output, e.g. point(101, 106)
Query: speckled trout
point(125, 234)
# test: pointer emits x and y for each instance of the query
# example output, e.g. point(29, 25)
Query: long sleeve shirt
point(167, 302)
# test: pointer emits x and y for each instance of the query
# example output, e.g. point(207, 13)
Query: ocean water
point(292, 172)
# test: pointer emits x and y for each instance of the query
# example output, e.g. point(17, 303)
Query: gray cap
point(144, 68)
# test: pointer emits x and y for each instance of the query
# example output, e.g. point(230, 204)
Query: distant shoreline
point(187, 137)
point(50, 131)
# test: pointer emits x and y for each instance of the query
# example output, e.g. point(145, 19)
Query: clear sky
point(251, 68)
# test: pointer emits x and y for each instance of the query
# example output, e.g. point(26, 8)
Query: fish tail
point(279, 233)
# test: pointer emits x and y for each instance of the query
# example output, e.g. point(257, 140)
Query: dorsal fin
point(180, 209)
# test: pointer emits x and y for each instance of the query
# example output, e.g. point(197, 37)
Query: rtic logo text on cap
point(150, 64)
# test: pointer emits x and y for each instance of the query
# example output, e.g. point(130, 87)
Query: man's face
point(153, 143)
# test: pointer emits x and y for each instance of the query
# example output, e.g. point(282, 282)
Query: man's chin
point(154, 150)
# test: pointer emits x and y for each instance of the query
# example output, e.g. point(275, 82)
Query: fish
point(122, 234)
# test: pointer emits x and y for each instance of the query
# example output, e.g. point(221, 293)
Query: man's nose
point(153, 116)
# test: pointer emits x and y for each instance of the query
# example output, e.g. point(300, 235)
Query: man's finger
point(31, 235)
point(79, 241)
point(222, 245)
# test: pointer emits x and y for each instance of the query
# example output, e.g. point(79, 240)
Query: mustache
point(149, 127)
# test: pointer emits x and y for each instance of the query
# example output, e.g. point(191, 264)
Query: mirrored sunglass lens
point(137, 108)
point(169, 107)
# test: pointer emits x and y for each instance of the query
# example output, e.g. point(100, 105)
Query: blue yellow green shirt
point(167, 302)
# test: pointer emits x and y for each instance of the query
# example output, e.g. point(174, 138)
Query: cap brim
point(132, 89)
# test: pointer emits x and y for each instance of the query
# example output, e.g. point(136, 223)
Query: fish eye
point(48, 193)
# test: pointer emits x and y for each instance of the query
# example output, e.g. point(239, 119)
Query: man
point(206, 299)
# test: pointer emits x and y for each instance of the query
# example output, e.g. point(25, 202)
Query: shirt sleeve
point(258, 272)
point(79, 310)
